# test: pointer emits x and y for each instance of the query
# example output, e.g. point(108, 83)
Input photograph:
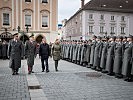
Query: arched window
point(45, 18)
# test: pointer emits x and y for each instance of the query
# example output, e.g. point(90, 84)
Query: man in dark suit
point(15, 52)
point(44, 54)
point(30, 53)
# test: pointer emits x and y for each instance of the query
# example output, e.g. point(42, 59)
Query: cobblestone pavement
point(72, 82)
point(12, 87)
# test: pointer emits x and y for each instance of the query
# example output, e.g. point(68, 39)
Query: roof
point(123, 6)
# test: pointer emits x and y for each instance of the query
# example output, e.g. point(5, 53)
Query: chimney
point(82, 3)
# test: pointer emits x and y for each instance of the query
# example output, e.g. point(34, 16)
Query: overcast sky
point(66, 8)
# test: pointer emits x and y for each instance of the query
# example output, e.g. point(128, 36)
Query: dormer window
point(44, 1)
point(27, 0)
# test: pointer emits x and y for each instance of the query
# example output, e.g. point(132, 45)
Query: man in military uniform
point(4, 50)
point(128, 59)
point(15, 52)
point(97, 54)
point(93, 44)
point(110, 56)
point(30, 53)
point(119, 49)
point(0, 49)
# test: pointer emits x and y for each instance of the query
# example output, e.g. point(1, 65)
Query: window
point(6, 19)
point(90, 29)
point(122, 29)
point(112, 30)
point(101, 29)
point(112, 17)
point(90, 16)
point(27, 0)
point(102, 17)
point(44, 21)
point(44, 1)
point(123, 18)
point(28, 20)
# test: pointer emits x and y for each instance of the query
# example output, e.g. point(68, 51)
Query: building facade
point(101, 18)
point(39, 17)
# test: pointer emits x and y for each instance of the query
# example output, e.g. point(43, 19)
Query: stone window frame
point(45, 13)
point(8, 11)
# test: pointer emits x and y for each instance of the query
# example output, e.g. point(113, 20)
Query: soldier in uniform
point(15, 52)
point(0, 49)
point(110, 56)
point(79, 52)
point(30, 53)
point(93, 44)
point(4, 50)
point(104, 54)
point(119, 49)
point(97, 54)
point(88, 51)
point(74, 50)
point(128, 59)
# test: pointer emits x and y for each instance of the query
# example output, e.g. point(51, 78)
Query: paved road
point(72, 82)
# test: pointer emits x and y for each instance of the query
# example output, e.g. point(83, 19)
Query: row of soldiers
point(3, 49)
point(111, 55)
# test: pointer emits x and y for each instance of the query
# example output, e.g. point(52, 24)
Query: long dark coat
point(97, 54)
point(73, 52)
point(79, 52)
point(56, 52)
point(76, 52)
point(70, 51)
point(118, 58)
point(88, 51)
point(93, 44)
point(30, 52)
point(83, 54)
point(15, 52)
point(0, 49)
point(4, 49)
point(110, 57)
point(104, 55)
point(127, 60)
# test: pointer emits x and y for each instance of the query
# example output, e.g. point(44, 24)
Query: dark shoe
point(128, 79)
point(110, 74)
point(13, 74)
point(47, 71)
point(42, 70)
point(56, 70)
point(32, 72)
point(104, 71)
point(118, 76)
point(29, 72)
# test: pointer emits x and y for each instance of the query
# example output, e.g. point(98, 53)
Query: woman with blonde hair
point(56, 52)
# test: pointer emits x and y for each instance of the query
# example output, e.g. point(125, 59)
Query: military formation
point(112, 55)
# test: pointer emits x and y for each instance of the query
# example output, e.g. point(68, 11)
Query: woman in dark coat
point(30, 53)
point(56, 52)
